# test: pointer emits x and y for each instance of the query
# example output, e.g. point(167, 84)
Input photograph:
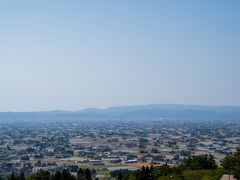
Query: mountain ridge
point(167, 111)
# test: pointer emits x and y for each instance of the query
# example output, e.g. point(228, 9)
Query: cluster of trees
point(13, 177)
point(198, 163)
point(143, 143)
point(232, 164)
point(82, 174)
point(193, 168)
point(201, 167)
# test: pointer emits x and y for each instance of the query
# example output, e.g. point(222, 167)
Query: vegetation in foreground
point(201, 167)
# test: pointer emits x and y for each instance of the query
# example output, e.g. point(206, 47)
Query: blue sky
point(76, 54)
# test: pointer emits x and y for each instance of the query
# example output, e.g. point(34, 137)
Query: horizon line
point(119, 106)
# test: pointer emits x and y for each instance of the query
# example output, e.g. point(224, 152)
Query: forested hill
point(161, 111)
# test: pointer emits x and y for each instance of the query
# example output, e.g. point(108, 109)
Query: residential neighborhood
point(106, 145)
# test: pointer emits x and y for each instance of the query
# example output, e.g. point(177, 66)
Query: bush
point(196, 174)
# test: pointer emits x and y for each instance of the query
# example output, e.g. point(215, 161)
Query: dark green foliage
point(196, 174)
point(45, 175)
point(30, 150)
point(12, 177)
point(163, 172)
point(66, 175)
point(84, 174)
point(120, 176)
point(41, 175)
point(57, 175)
point(185, 153)
point(203, 174)
point(151, 168)
point(122, 173)
point(172, 177)
point(88, 174)
point(81, 174)
point(195, 167)
point(143, 142)
point(154, 150)
point(199, 163)
point(144, 173)
point(232, 164)
point(22, 176)
point(143, 151)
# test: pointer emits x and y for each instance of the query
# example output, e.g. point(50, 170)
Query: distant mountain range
point(166, 111)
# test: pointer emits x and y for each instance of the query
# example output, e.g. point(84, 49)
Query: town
point(105, 145)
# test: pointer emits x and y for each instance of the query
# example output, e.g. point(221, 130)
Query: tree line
point(202, 167)
point(82, 174)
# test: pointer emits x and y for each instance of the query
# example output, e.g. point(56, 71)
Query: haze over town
point(119, 90)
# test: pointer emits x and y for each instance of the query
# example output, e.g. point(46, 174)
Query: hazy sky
point(75, 54)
